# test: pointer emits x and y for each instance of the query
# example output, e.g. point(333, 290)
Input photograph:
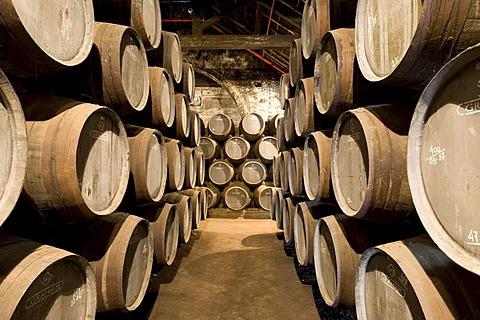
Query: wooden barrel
point(187, 85)
point(295, 63)
point(304, 109)
point(221, 127)
point(279, 208)
point(236, 149)
point(295, 172)
point(125, 75)
point(45, 36)
point(165, 225)
point(442, 170)
point(148, 164)
point(190, 168)
point(312, 29)
point(44, 282)
point(184, 211)
point(316, 166)
point(200, 163)
point(280, 135)
point(161, 102)
point(221, 173)
point(142, 15)
point(78, 157)
point(213, 195)
point(203, 202)
point(252, 126)
point(283, 165)
point(333, 73)
point(289, 121)
point(237, 196)
point(272, 124)
point(284, 89)
point(210, 148)
point(176, 164)
point(168, 55)
point(338, 245)
point(305, 219)
point(195, 204)
point(252, 172)
point(265, 149)
point(273, 209)
point(288, 215)
point(262, 196)
point(413, 279)
point(13, 146)
point(181, 124)
point(407, 46)
point(366, 183)
point(276, 170)
point(193, 139)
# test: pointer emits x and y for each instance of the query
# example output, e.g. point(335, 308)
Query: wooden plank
point(236, 42)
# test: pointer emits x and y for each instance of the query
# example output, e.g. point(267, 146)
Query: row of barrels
point(239, 166)
point(380, 117)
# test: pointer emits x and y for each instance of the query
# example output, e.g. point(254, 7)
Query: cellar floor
point(235, 266)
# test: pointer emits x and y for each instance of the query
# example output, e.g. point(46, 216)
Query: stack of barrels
point(103, 172)
point(375, 179)
point(239, 162)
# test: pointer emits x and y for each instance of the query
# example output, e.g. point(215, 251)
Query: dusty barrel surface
point(29, 47)
point(252, 126)
point(367, 184)
point(190, 168)
point(442, 153)
point(200, 163)
point(176, 164)
point(295, 172)
point(408, 44)
point(195, 204)
point(316, 166)
point(148, 163)
point(265, 149)
point(237, 196)
point(295, 62)
point(183, 204)
point(304, 109)
point(252, 172)
point(288, 216)
point(210, 148)
point(221, 126)
point(333, 73)
point(187, 84)
point(236, 149)
point(165, 225)
point(413, 279)
point(276, 170)
point(142, 15)
point(13, 147)
point(193, 139)
point(278, 204)
point(280, 135)
point(80, 141)
point(289, 121)
point(284, 89)
point(124, 66)
point(221, 173)
point(283, 165)
point(180, 129)
point(262, 196)
point(314, 27)
point(168, 55)
point(40, 281)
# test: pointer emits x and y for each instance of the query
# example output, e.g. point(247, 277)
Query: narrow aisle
point(232, 269)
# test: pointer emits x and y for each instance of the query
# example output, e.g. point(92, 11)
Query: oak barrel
point(221, 173)
point(78, 157)
point(210, 148)
point(284, 89)
point(190, 168)
point(193, 139)
point(221, 126)
point(176, 164)
point(200, 163)
point(237, 196)
point(142, 15)
point(180, 129)
point(413, 279)
point(408, 44)
point(44, 282)
point(333, 73)
point(252, 126)
point(252, 172)
point(287, 211)
point(316, 166)
point(280, 134)
point(213, 195)
point(44, 36)
point(442, 153)
point(262, 196)
point(195, 204)
point(283, 165)
point(168, 55)
point(367, 184)
point(279, 208)
point(313, 28)
point(276, 170)
point(295, 62)
point(187, 84)
point(165, 225)
point(236, 149)
point(183, 204)
point(124, 66)
point(265, 149)
point(13, 147)
point(161, 100)
point(304, 109)
point(148, 162)
point(295, 172)
point(203, 202)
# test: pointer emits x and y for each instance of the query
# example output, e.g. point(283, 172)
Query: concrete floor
point(235, 267)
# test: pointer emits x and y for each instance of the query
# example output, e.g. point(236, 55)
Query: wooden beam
point(236, 42)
